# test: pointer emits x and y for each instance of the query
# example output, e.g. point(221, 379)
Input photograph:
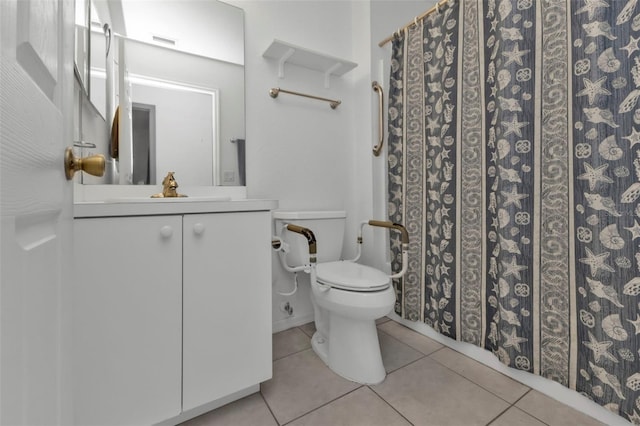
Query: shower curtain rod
point(435, 8)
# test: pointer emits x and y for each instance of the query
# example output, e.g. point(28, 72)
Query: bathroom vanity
point(172, 307)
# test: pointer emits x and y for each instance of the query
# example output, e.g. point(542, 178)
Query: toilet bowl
point(347, 297)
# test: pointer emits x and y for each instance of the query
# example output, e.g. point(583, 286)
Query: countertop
point(166, 206)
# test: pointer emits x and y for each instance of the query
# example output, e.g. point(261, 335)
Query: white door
point(36, 104)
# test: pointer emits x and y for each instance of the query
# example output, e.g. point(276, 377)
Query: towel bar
point(274, 92)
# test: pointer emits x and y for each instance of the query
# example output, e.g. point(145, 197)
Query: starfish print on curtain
point(514, 162)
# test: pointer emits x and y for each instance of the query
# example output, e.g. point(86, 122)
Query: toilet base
point(352, 350)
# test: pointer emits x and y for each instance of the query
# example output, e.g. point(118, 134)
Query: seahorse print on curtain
point(514, 162)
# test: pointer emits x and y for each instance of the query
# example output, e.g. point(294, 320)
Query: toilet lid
point(352, 276)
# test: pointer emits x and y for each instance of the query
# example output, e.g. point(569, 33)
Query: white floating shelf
point(286, 53)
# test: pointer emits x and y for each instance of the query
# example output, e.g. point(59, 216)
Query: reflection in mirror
point(179, 86)
point(169, 123)
point(82, 46)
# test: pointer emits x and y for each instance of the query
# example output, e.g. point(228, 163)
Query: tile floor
point(427, 384)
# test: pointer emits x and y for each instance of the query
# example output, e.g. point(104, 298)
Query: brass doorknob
point(94, 165)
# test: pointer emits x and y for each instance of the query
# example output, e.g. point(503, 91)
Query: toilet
point(347, 297)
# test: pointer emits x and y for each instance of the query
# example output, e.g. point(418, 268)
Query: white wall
point(300, 151)
point(205, 28)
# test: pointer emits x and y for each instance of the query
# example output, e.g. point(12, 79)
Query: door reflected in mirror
point(169, 123)
point(82, 53)
point(177, 73)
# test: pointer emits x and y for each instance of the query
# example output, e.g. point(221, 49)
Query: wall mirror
point(174, 69)
point(82, 52)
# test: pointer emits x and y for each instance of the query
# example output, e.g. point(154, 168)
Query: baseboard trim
point(293, 321)
point(205, 408)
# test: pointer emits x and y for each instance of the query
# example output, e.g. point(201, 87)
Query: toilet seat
point(345, 275)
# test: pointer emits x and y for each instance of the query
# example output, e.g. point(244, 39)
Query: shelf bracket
point(327, 74)
point(285, 57)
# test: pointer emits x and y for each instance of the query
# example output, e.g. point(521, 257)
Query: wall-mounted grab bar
point(274, 92)
point(377, 88)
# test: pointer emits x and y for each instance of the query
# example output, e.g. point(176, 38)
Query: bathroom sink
point(166, 200)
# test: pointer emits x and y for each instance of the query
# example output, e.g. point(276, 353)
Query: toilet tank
point(327, 226)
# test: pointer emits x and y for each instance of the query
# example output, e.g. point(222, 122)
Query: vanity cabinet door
point(127, 309)
point(227, 304)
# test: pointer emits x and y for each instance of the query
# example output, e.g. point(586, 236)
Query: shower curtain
point(514, 162)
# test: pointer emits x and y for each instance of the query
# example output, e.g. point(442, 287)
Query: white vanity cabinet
point(127, 319)
point(172, 314)
point(227, 304)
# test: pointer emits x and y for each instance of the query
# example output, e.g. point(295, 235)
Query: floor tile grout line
point(390, 405)
point(423, 355)
point(513, 405)
point(525, 411)
point(322, 405)
point(300, 328)
point(436, 351)
point(408, 364)
point(478, 384)
point(498, 416)
point(523, 395)
point(380, 331)
point(268, 407)
point(292, 353)
point(409, 344)
point(400, 341)
point(443, 347)
point(463, 377)
point(520, 409)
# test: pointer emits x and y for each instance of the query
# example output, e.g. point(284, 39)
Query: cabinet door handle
point(166, 231)
point(198, 228)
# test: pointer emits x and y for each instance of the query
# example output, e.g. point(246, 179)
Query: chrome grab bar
point(377, 88)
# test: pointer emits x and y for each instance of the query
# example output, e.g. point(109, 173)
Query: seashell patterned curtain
point(514, 162)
